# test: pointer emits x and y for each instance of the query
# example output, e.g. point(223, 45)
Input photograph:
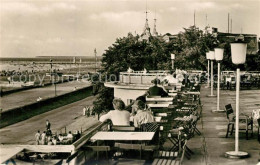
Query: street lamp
point(219, 57)
point(238, 53)
point(51, 74)
point(172, 58)
point(211, 57)
point(207, 56)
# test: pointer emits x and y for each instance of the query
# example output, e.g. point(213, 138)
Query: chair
point(170, 157)
point(230, 117)
point(258, 130)
point(256, 116)
point(231, 122)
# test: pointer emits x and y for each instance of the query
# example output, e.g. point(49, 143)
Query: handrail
point(80, 142)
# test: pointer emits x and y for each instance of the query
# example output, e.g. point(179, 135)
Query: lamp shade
point(172, 56)
point(207, 55)
point(219, 54)
point(238, 52)
point(211, 55)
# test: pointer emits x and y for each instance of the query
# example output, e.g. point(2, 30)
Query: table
point(192, 93)
point(123, 136)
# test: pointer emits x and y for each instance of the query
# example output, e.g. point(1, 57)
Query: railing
point(89, 134)
point(141, 77)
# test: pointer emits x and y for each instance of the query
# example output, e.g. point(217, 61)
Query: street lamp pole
point(207, 56)
point(53, 73)
point(212, 57)
point(51, 70)
point(219, 57)
point(172, 58)
point(55, 82)
point(238, 54)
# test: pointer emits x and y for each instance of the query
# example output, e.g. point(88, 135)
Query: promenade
point(69, 116)
point(210, 147)
point(30, 96)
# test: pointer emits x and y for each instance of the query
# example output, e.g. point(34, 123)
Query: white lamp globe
point(172, 56)
point(238, 52)
point(219, 54)
point(212, 55)
point(208, 56)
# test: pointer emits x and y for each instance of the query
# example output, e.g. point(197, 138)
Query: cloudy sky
point(75, 28)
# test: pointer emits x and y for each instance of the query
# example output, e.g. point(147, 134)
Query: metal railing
point(141, 77)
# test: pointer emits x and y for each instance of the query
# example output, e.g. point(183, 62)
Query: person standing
point(48, 125)
point(38, 137)
point(43, 138)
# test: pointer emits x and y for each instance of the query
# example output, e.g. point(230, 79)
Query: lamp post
point(53, 73)
point(207, 56)
point(211, 57)
point(219, 57)
point(172, 58)
point(238, 53)
point(51, 70)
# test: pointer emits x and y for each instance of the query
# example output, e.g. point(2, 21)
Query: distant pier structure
point(134, 84)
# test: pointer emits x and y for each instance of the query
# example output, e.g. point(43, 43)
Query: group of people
point(47, 138)
point(87, 111)
point(120, 116)
point(137, 112)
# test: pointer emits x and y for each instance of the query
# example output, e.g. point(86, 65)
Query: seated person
point(142, 98)
point(171, 78)
point(77, 135)
point(119, 116)
point(70, 136)
point(49, 141)
point(142, 115)
point(60, 137)
point(155, 90)
point(54, 140)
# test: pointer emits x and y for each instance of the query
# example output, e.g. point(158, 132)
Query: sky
point(75, 28)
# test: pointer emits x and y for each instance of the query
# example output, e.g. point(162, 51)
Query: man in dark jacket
point(155, 90)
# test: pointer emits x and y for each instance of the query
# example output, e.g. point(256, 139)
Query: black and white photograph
point(129, 82)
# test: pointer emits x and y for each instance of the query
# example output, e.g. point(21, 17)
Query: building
point(169, 37)
point(250, 39)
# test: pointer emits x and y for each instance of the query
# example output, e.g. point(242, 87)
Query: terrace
point(189, 134)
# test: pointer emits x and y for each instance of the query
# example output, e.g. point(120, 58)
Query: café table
point(123, 136)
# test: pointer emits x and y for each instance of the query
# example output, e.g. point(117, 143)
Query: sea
point(43, 63)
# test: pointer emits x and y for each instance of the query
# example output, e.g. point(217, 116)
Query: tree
point(190, 47)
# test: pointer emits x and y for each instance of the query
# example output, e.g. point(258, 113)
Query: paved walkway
point(211, 146)
point(69, 115)
point(26, 97)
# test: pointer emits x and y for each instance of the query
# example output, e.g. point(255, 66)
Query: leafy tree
point(190, 47)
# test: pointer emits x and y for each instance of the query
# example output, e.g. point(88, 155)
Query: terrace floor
point(211, 146)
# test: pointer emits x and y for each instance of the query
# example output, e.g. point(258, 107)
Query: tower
point(146, 33)
point(155, 33)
